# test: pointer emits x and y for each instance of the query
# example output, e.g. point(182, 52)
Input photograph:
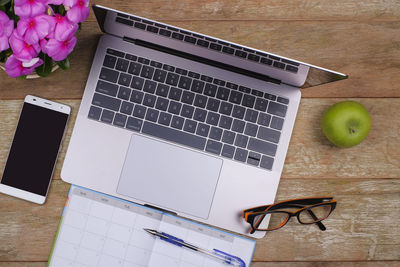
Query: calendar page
point(100, 230)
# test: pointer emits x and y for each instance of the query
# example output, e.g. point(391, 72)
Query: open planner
point(100, 230)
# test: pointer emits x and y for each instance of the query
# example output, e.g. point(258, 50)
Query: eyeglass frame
point(306, 203)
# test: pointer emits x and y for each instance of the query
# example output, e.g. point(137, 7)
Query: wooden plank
point(310, 153)
point(260, 10)
point(362, 224)
point(367, 51)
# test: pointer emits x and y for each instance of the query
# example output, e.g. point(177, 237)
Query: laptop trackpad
point(170, 177)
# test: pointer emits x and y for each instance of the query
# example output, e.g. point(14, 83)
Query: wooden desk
point(361, 39)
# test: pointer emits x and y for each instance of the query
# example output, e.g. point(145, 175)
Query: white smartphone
point(33, 153)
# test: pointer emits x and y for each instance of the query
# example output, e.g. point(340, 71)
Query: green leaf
point(63, 64)
point(22, 78)
point(45, 69)
point(4, 2)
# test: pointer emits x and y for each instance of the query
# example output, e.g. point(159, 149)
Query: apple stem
point(352, 130)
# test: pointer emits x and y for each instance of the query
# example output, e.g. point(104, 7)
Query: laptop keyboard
point(188, 108)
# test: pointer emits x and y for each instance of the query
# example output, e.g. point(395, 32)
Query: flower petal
point(4, 43)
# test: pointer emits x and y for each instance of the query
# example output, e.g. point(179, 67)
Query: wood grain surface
point(359, 38)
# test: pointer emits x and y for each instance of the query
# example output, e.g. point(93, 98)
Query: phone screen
point(34, 149)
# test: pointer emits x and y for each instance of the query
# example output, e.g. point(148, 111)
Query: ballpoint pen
point(215, 253)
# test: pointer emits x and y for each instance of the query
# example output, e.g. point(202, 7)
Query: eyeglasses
point(275, 216)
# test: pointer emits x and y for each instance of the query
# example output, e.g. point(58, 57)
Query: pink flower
point(64, 29)
point(29, 8)
point(56, 2)
point(6, 28)
point(79, 10)
point(59, 50)
point(22, 50)
point(34, 29)
point(15, 68)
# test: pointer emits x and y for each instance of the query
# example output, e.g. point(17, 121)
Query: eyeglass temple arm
point(320, 224)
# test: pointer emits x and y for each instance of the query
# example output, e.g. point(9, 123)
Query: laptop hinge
point(202, 60)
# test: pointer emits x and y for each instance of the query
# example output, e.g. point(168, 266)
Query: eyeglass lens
point(277, 219)
point(318, 213)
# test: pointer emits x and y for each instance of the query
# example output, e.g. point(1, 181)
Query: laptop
point(185, 122)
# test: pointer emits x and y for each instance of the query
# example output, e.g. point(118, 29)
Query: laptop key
point(137, 97)
point(203, 43)
point(266, 162)
point(106, 102)
point(203, 129)
point(261, 104)
point(139, 111)
point(214, 147)
point(262, 147)
point(124, 79)
point(197, 86)
point(124, 93)
point(190, 39)
point(268, 134)
point(155, 64)
point(194, 75)
point(187, 111)
point(94, 113)
point(174, 107)
point(225, 122)
point(216, 47)
point(238, 112)
point(187, 97)
point(131, 57)
point(213, 104)
point(134, 124)
point(150, 86)
point(266, 61)
point(109, 75)
point(119, 120)
point(253, 159)
point(122, 64)
point(241, 140)
point(248, 101)
point(168, 67)
point(210, 89)
point(232, 86)
point(115, 52)
point(251, 129)
point(137, 83)
point(177, 36)
point(228, 151)
point(174, 135)
point(228, 137)
point(162, 103)
point(264, 119)
point(283, 100)
point(190, 126)
point(238, 126)
point(200, 115)
point(164, 32)
point(181, 71)
point(206, 78)
point(147, 72)
point(134, 68)
point(126, 108)
point(251, 115)
point(107, 88)
point(165, 118)
point(149, 100)
point(177, 122)
point(277, 109)
point(277, 123)
point(175, 93)
point(160, 75)
point(172, 79)
point(109, 61)
point(213, 118)
point(215, 133)
point(144, 60)
point(228, 50)
point(152, 115)
point(223, 93)
point(162, 90)
point(235, 97)
point(226, 108)
point(107, 116)
point(200, 101)
point(241, 155)
point(140, 25)
point(270, 96)
point(219, 82)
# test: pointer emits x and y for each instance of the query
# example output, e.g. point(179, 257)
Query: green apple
point(346, 123)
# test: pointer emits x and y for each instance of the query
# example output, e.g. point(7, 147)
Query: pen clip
point(229, 259)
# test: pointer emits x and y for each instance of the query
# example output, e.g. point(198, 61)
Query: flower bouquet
point(36, 35)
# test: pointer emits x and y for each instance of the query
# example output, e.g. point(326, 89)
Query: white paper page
point(167, 254)
point(98, 230)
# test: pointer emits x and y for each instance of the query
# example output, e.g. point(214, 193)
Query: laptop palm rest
point(169, 176)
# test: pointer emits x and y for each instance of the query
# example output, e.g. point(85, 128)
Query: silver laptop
point(185, 122)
